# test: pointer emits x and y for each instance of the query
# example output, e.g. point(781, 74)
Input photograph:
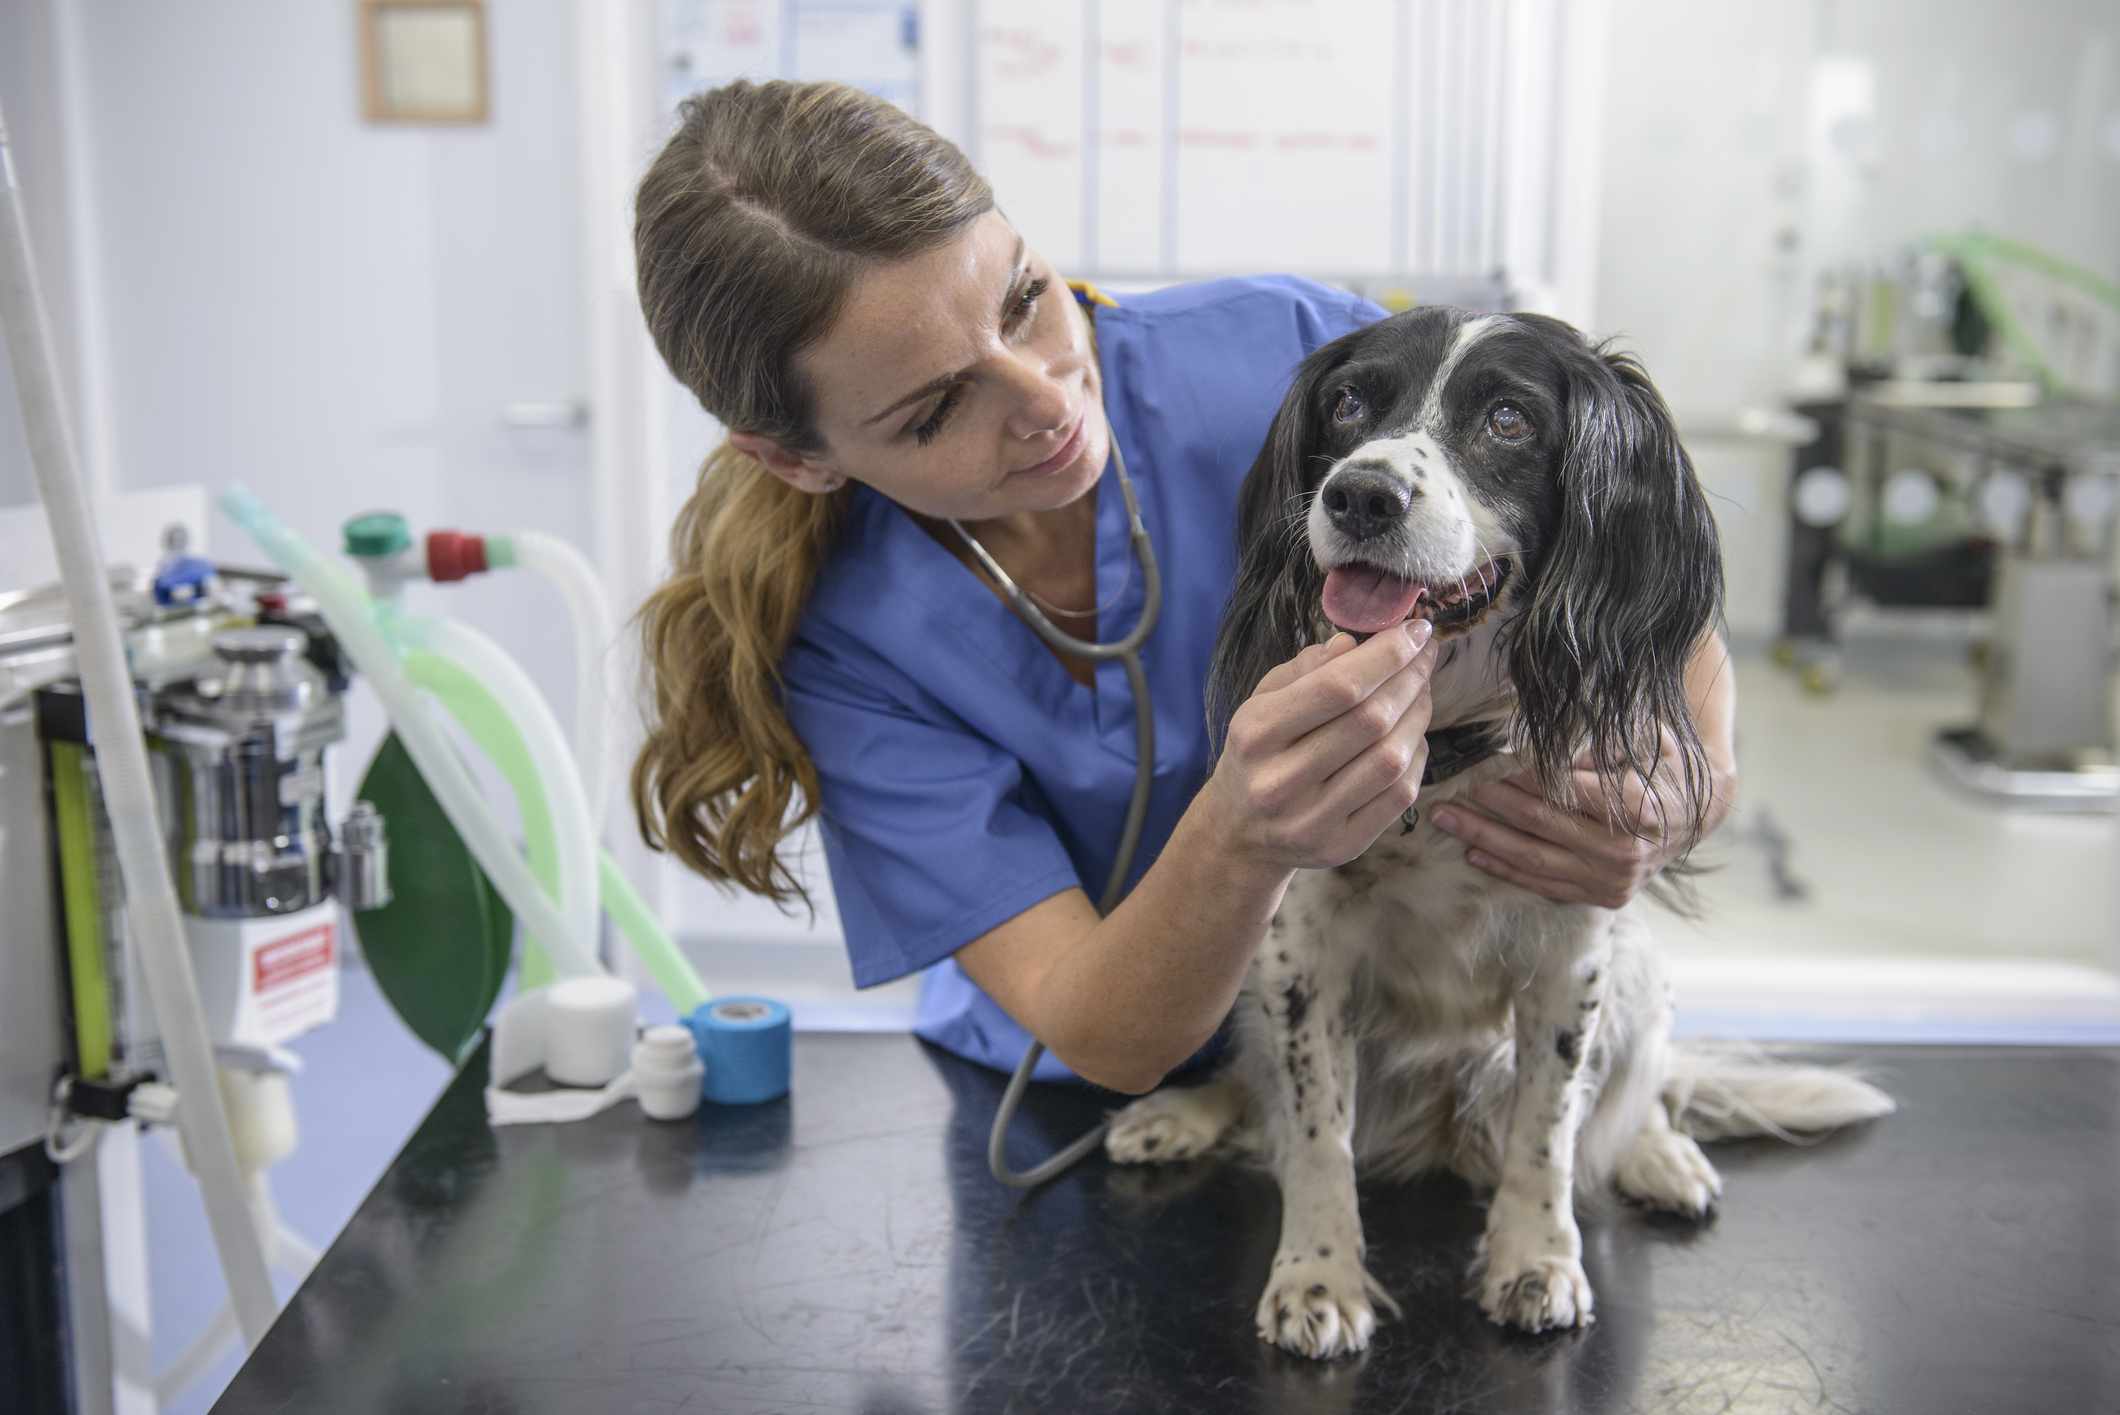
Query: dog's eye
point(1349, 408)
point(1507, 421)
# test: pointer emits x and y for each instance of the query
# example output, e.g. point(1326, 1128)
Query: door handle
point(560, 413)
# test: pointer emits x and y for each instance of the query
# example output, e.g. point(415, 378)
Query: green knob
point(377, 533)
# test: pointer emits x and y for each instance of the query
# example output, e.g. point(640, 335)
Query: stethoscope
point(1128, 651)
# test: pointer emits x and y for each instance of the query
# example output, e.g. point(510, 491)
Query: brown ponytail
point(749, 229)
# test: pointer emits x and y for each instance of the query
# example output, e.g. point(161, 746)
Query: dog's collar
point(1456, 749)
point(1451, 751)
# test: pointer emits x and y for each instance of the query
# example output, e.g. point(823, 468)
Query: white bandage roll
point(589, 1030)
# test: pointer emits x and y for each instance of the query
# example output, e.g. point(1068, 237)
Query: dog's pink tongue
point(1362, 600)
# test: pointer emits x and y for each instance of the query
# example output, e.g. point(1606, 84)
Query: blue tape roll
point(747, 1044)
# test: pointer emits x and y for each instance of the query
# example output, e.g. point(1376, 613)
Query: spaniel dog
point(1526, 491)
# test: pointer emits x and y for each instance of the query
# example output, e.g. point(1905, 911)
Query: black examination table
point(845, 1250)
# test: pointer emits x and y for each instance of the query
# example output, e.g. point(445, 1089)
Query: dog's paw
point(1666, 1170)
point(1549, 1293)
point(1317, 1307)
point(1165, 1127)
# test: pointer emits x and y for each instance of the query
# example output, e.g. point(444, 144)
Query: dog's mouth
point(1363, 599)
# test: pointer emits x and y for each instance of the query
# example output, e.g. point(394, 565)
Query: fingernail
point(1419, 631)
point(1446, 821)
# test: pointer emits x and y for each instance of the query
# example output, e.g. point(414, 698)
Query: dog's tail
point(1719, 1093)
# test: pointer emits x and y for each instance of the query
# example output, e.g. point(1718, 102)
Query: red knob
point(452, 555)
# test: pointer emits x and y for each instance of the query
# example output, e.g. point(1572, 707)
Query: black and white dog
point(1526, 491)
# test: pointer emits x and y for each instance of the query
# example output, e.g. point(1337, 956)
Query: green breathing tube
point(351, 615)
point(489, 723)
point(474, 709)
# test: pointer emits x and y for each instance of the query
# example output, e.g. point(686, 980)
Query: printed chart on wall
point(1196, 137)
point(870, 44)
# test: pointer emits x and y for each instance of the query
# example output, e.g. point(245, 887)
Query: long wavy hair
point(750, 228)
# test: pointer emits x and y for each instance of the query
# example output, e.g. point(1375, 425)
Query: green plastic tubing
point(672, 972)
point(336, 589)
point(473, 707)
point(483, 716)
point(355, 622)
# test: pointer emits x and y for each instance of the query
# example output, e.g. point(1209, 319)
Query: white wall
point(1701, 171)
point(31, 99)
point(1720, 202)
point(2001, 116)
point(335, 312)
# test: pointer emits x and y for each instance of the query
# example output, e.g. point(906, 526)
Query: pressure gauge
point(2005, 498)
point(1911, 497)
point(2089, 500)
point(1822, 496)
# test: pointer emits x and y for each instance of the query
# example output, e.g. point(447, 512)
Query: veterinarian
point(834, 283)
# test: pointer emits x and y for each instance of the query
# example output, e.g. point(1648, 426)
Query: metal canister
point(242, 750)
point(362, 861)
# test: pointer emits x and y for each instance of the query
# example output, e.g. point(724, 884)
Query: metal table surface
point(2062, 435)
point(845, 1250)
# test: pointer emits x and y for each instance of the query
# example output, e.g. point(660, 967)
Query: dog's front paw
point(1547, 1293)
point(1317, 1307)
point(1666, 1170)
point(1164, 1127)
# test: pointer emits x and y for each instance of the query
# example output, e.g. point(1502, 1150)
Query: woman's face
point(960, 383)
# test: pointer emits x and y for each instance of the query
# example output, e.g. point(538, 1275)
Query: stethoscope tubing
point(1127, 650)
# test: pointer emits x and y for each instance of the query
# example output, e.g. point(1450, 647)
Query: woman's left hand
point(1514, 833)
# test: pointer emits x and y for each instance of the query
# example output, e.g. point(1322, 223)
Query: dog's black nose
point(1364, 502)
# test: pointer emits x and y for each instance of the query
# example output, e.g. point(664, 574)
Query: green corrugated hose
point(473, 705)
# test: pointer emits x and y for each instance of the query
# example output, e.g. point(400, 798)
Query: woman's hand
point(1581, 857)
point(1587, 855)
point(1327, 751)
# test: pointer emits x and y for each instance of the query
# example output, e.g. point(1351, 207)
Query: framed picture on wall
point(423, 61)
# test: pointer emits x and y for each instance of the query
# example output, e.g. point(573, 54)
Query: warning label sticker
point(286, 960)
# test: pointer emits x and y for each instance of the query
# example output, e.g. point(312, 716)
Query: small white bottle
point(667, 1073)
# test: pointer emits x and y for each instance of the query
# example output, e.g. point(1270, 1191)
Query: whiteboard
point(1339, 138)
point(1157, 140)
point(1284, 130)
point(1028, 69)
point(871, 44)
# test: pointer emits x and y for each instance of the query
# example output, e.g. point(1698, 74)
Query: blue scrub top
point(964, 776)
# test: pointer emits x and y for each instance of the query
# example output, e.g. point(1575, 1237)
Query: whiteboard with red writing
point(1347, 138)
point(1354, 140)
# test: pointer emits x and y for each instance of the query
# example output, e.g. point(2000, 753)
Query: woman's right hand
point(1328, 750)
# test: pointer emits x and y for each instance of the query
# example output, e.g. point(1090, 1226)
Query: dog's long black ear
point(1267, 619)
point(1626, 588)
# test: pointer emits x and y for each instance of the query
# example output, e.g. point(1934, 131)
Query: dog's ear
point(1629, 583)
point(1266, 621)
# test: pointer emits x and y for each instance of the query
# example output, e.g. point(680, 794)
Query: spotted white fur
point(1517, 1041)
point(1469, 332)
point(1446, 528)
